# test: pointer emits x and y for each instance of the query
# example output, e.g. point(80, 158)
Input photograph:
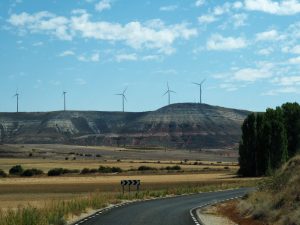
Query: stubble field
point(198, 169)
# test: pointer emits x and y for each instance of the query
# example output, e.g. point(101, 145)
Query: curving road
point(167, 211)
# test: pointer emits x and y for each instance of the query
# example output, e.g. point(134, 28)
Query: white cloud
point(199, 3)
point(42, 22)
point(270, 35)
point(265, 51)
point(219, 43)
point(239, 20)
point(228, 86)
point(220, 10)
point(95, 57)
point(237, 5)
point(253, 74)
point(66, 53)
point(168, 8)
point(151, 57)
point(295, 60)
point(39, 43)
point(79, 11)
point(295, 49)
point(283, 90)
point(287, 81)
point(133, 34)
point(126, 57)
point(283, 7)
point(103, 5)
point(208, 18)
point(80, 81)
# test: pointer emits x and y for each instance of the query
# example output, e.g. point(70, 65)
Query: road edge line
point(194, 216)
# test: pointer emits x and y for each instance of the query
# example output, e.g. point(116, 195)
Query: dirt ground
point(229, 210)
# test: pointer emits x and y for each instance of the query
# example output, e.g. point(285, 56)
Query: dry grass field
point(198, 169)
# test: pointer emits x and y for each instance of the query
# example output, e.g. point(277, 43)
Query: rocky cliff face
point(179, 126)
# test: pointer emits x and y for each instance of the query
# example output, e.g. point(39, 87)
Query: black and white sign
point(130, 182)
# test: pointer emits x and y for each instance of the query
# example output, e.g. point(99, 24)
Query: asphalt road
point(168, 211)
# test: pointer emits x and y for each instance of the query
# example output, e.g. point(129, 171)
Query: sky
point(248, 51)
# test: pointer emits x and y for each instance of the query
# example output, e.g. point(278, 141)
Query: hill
point(185, 125)
point(278, 200)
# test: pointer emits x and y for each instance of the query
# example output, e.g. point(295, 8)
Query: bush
point(87, 171)
point(32, 172)
point(173, 167)
point(116, 170)
point(103, 169)
point(144, 168)
point(16, 170)
point(2, 174)
point(70, 171)
point(55, 172)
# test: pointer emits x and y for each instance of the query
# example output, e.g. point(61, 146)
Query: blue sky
point(248, 51)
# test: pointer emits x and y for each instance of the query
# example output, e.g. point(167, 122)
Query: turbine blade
point(203, 81)
point(196, 83)
point(125, 98)
point(166, 93)
point(125, 90)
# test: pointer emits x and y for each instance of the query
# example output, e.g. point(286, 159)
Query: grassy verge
point(57, 212)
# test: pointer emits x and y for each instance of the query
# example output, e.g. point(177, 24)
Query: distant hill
point(185, 125)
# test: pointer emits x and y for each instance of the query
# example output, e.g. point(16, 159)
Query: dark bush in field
point(55, 172)
point(31, 172)
point(145, 168)
point(103, 169)
point(16, 170)
point(2, 174)
point(61, 171)
point(173, 168)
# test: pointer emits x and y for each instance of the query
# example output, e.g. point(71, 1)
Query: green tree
point(291, 115)
point(275, 138)
point(247, 147)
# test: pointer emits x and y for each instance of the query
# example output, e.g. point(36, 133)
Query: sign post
point(136, 183)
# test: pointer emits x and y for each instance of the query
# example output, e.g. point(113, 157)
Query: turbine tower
point(64, 94)
point(169, 93)
point(17, 95)
point(200, 87)
point(123, 98)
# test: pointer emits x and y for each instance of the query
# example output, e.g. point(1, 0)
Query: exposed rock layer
point(185, 125)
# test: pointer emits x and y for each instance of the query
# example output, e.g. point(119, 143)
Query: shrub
point(103, 169)
point(16, 170)
point(173, 167)
point(55, 172)
point(2, 174)
point(116, 170)
point(144, 168)
point(70, 171)
point(31, 172)
point(85, 171)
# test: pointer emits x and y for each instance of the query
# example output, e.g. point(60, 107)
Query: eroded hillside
point(178, 126)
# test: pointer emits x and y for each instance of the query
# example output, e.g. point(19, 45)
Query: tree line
point(269, 139)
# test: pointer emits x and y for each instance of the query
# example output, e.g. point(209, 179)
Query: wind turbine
point(123, 98)
point(17, 95)
point(64, 94)
point(200, 87)
point(169, 93)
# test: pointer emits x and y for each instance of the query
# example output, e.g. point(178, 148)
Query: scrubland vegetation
point(277, 201)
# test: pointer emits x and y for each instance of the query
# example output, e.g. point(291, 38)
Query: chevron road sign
point(128, 183)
